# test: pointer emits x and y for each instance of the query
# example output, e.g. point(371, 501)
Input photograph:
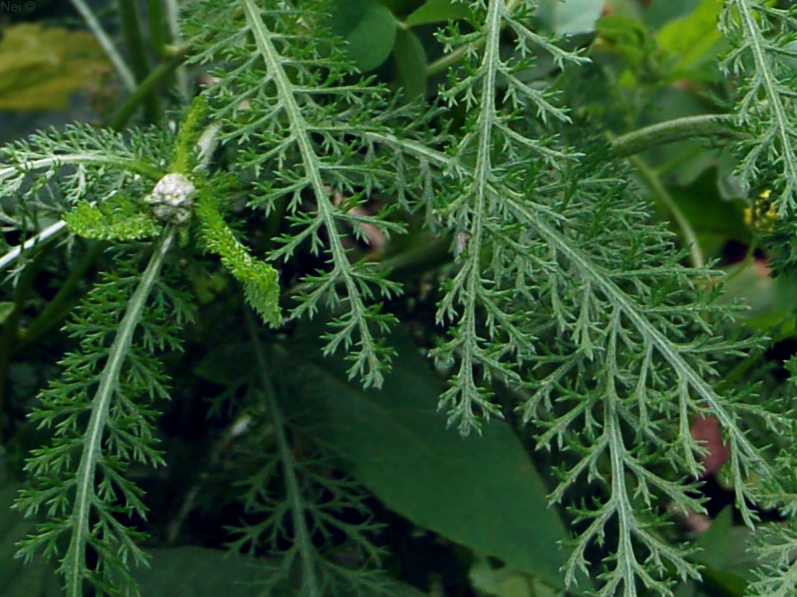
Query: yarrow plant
point(290, 185)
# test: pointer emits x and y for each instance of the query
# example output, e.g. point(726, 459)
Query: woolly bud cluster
point(172, 199)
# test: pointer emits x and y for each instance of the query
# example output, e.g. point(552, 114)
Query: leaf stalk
point(74, 564)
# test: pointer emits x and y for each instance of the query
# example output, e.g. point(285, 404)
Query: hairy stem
point(710, 126)
point(74, 563)
point(750, 15)
point(284, 88)
point(88, 157)
point(443, 63)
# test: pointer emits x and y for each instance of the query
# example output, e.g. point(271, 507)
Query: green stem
point(310, 585)
point(654, 183)
point(137, 51)
point(156, 31)
point(107, 44)
point(74, 563)
point(443, 63)
point(173, 22)
point(45, 236)
point(158, 34)
point(679, 129)
point(161, 72)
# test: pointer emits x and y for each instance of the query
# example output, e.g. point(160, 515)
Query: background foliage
point(388, 224)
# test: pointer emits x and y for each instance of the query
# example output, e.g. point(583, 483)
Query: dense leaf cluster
point(564, 302)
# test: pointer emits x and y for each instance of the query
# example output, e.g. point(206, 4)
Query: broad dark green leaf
point(197, 572)
point(369, 29)
point(411, 64)
point(401, 7)
point(437, 11)
point(192, 571)
point(709, 213)
point(724, 554)
point(482, 492)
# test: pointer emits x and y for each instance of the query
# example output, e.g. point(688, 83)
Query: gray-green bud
point(172, 199)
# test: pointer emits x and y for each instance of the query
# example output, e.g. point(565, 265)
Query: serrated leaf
point(40, 67)
point(259, 279)
point(318, 176)
point(117, 218)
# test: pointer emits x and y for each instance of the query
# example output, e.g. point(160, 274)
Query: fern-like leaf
point(763, 38)
point(284, 95)
point(115, 219)
point(261, 285)
point(79, 480)
point(92, 153)
point(54, 170)
point(602, 364)
point(498, 151)
point(295, 504)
